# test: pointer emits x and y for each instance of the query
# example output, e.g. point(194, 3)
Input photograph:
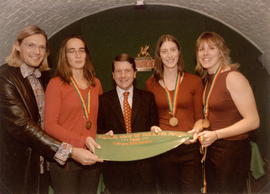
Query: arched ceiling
point(250, 18)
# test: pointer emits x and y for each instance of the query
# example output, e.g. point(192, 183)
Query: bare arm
point(244, 100)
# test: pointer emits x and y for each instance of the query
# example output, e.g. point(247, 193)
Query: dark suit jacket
point(110, 117)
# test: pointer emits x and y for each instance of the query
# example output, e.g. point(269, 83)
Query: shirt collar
point(120, 91)
point(27, 70)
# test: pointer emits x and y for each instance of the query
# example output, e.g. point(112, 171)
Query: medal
point(205, 123)
point(85, 106)
point(88, 125)
point(173, 121)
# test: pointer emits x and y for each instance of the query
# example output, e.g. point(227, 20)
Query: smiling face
point(76, 54)
point(169, 54)
point(32, 50)
point(123, 74)
point(209, 56)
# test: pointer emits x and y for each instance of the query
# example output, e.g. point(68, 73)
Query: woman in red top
point(71, 108)
point(230, 110)
point(178, 95)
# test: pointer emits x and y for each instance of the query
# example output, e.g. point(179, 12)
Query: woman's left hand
point(207, 138)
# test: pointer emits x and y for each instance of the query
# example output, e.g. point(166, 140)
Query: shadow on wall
point(126, 29)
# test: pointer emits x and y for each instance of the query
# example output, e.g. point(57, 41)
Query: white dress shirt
point(120, 93)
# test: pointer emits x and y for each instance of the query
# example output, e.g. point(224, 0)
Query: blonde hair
point(159, 66)
point(63, 68)
point(219, 42)
point(14, 59)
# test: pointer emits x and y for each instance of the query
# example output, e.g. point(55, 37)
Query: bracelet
point(63, 153)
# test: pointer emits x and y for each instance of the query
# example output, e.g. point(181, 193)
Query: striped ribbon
point(206, 98)
point(85, 106)
point(172, 102)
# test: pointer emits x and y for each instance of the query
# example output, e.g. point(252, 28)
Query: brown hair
point(63, 68)
point(219, 42)
point(124, 57)
point(14, 59)
point(159, 66)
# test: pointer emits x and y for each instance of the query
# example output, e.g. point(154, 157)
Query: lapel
point(135, 105)
point(117, 107)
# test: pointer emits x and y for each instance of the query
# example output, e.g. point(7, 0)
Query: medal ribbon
point(206, 98)
point(205, 112)
point(172, 102)
point(85, 106)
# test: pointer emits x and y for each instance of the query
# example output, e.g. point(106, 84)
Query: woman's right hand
point(110, 133)
point(91, 144)
point(84, 156)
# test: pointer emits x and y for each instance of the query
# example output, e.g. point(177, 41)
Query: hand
point(194, 134)
point(207, 138)
point(91, 144)
point(110, 133)
point(84, 157)
point(156, 129)
point(198, 126)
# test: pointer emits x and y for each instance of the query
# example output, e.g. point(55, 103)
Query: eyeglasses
point(74, 51)
point(32, 46)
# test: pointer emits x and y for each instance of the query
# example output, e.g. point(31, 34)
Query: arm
point(101, 119)
point(15, 118)
point(198, 106)
point(197, 109)
point(153, 114)
point(244, 100)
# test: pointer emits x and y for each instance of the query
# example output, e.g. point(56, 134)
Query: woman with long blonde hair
point(231, 113)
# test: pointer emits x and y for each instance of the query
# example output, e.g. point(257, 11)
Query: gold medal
point(88, 125)
point(205, 123)
point(173, 121)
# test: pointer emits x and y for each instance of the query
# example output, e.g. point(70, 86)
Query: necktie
point(127, 112)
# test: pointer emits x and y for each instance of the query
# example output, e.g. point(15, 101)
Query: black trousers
point(135, 177)
point(179, 170)
point(227, 166)
point(74, 178)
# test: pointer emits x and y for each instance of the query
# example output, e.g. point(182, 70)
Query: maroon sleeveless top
point(221, 108)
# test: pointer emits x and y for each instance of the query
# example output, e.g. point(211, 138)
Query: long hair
point(219, 42)
point(14, 59)
point(63, 68)
point(159, 66)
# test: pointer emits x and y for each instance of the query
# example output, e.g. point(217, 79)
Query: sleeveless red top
point(222, 110)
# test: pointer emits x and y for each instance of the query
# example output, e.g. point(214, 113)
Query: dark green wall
point(126, 29)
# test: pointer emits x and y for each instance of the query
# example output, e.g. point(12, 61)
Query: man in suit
point(134, 176)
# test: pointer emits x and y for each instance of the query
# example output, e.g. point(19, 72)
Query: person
point(231, 113)
point(132, 176)
point(71, 108)
point(178, 96)
point(22, 137)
